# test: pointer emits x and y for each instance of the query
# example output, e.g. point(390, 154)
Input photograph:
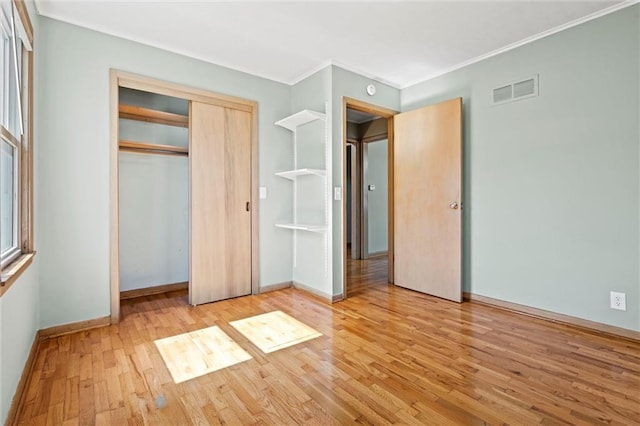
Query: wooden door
point(428, 191)
point(220, 185)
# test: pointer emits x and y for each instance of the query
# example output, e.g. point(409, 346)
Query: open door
point(428, 194)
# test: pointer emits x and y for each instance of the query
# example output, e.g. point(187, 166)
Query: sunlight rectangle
point(199, 352)
point(274, 330)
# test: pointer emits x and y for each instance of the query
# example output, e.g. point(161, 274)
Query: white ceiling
point(397, 42)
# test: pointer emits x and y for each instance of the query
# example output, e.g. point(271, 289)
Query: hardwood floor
point(362, 274)
point(387, 355)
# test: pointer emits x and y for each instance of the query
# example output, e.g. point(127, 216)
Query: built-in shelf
point(152, 148)
point(311, 220)
point(293, 174)
point(302, 227)
point(152, 116)
point(299, 118)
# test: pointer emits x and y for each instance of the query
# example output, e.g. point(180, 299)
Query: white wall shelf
point(301, 227)
point(310, 197)
point(293, 174)
point(298, 119)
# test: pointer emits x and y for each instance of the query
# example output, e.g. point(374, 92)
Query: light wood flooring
point(362, 274)
point(387, 355)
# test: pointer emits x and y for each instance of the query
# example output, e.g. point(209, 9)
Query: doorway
point(368, 204)
point(424, 232)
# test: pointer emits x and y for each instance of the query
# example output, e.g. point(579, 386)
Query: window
point(9, 184)
point(16, 59)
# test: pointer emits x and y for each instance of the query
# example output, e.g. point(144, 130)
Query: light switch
point(263, 192)
point(372, 187)
point(337, 193)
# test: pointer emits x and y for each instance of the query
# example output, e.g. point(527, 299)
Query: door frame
point(119, 79)
point(355, 104)
point(356, 199)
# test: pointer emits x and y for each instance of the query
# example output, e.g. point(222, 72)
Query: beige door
point(427, 191)
point(220, 185)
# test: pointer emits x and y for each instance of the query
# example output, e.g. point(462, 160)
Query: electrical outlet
point(618, 301)
point(337, 193)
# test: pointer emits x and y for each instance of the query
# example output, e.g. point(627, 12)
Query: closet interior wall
point(153, 191)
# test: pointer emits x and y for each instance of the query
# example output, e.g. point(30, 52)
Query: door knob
point(454, 205)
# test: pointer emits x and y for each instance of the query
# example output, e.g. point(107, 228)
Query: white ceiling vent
point(515, 91)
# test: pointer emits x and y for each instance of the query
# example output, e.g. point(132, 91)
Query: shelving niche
point(153, 116)
point(311, 159)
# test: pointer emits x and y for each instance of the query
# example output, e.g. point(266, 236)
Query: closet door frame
point(133, 81)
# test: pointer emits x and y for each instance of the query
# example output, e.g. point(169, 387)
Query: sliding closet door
point(220, 175)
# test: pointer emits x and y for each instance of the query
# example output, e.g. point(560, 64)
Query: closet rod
point(152, 148)
point(151, 152)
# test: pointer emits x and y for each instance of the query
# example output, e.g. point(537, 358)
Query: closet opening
point(153, 193)
point(183, 199)
point(368, 238)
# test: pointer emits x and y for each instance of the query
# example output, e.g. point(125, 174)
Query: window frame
point(15, 250)
point(11, 267)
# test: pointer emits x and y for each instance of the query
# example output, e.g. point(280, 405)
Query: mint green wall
point(348, 84)
point(313, 261)
point(19, 307)
point(154, 220)
point(312, 92)
point(73, 149)
point(19, 316)
point(552, 182)
point(377, 161)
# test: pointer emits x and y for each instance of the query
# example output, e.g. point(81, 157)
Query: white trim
point(332, 62)
point(5, 73)
point(184, 53)
point(4, 23)
point(14, 251)
point(290, 82)
point(20, 29)
point(308, 74)
point(366, 74)
point(587, 18)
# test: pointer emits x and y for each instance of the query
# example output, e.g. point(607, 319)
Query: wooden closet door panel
point(220, 182)
point(427, 191)
point(238, 195)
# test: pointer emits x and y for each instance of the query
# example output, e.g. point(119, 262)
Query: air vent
point(515, 91)
point(502, 94)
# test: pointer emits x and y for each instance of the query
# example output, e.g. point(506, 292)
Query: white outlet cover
point(263, 193)
point(618, 301)
point(337, 193)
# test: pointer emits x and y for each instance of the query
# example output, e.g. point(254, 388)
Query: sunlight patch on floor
point(199, 352)
point(274, 330)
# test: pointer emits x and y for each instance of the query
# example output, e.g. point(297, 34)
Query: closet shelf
point(152, 116)
point(299, 118)
point(152, 148)
point(293, 174)
point(303, 227)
